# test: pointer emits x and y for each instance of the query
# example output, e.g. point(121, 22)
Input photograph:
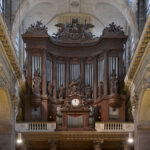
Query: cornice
point(79, 136)
point(138, 55)
point(9, 48)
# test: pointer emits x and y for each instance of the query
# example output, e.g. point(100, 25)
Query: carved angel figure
point(113, 83)
point(101, 89)
point(50, 88)
point(61, 92)
point(36, 84)
point(76, 86)
point(73, 87)
point(88, 92)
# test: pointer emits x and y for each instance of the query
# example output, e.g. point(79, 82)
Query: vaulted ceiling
point(103, 12)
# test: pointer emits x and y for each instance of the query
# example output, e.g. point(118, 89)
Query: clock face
point(75, 102)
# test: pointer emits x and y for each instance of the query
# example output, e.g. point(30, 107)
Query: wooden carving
point(37, 28)
point(88, 92)
point(36, 90)
point(113, 83)
point(74, 31)
point(61, 92)
point(75, 86)
point(113, 29)
point(50, 88)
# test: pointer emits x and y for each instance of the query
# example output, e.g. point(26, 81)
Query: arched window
point(147, 7)
point(130, 2)
point(1, 6)
point(17, 44)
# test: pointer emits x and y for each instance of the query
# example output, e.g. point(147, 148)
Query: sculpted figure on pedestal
point(50, 88)
point(76, 86)
point(101, 89)
point(36, 84)
point(113, 83)
point(88, 92)
point(61, 92)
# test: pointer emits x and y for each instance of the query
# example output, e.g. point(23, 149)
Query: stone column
point(53, 145)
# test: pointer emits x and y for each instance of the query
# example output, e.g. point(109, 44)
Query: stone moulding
point(139, 53)
point(9, 48)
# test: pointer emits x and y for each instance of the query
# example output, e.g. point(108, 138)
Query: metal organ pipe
point(49, 70)
point(113, 65)
point(74, 71)
point(89, 74)
point(60, 68)
point(100, 71)
point(36, 64)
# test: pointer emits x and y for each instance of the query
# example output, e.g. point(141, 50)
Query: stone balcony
point(51, 126)
point(114, 127)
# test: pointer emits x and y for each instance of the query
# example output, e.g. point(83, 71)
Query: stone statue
point(36, 84)
point(101, 89)
point(113, 83)
point(88, 92)
point(61, 92)
point(50, 88)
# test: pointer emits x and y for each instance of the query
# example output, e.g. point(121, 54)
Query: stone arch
point(7, 135)
point(5, 111)
point(122, 6)
point(142, 122)
point(25, 7)
point(127, 12)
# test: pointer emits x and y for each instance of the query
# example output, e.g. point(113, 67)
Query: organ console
point(72, 72)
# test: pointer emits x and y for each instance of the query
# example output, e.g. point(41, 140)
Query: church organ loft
point(73, 77)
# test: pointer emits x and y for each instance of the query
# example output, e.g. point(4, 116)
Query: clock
point(75, 102)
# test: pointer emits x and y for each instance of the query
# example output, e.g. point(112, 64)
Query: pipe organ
point(72, 72)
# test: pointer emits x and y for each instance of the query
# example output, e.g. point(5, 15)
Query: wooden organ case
point(72, 72)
